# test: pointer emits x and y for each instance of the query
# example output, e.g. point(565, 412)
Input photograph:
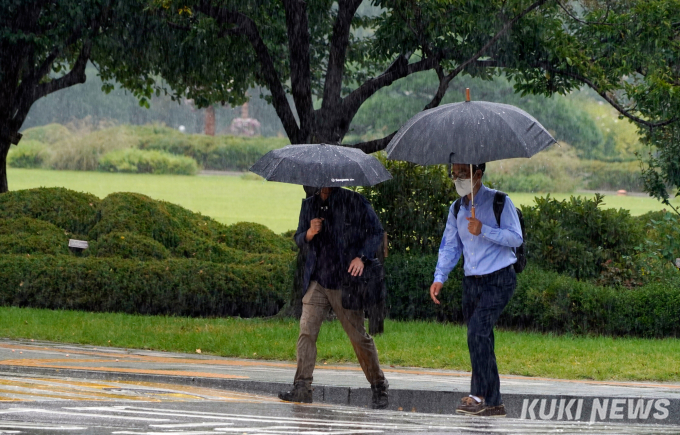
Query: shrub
point(127, 245)
point(185, 233)
point(170, 287)
point(524, 183)
point(217, 153)
point(408, 280)
point(25, 235)
point(413, 206)
point(29, 154)
point(577, 237)
point(47, 134)
point(555, 169)
point(82, 153)
point(72, 211)
point(142, 161)
point(544, 301)
point(613, 176)
point(256, 238)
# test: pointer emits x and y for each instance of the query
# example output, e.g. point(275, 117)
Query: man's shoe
point(299, 393)
point(379, 400)
point(471, 407)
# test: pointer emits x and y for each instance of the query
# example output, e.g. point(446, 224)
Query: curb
point(631, 410)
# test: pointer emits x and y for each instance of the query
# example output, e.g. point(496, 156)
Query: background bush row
point(139, 149)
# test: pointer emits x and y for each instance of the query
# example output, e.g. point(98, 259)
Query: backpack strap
point(456, 208)
point(498, 206)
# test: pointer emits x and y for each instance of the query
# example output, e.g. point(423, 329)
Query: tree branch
point(249, 29)
point(609, 99)
point(74, 77)
point(399, 69)
point(338, 52)
point(300, 75)
point(373, 145)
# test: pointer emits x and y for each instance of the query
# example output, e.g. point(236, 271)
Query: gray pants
point(315, 306)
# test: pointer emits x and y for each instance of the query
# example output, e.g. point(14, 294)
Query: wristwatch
point(363, 259)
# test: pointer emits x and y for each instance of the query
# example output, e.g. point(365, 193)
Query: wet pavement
point(47, 373)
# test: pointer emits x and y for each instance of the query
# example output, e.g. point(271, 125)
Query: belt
point(490, 274)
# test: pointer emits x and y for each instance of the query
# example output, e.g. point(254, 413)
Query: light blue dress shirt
point(488, 252)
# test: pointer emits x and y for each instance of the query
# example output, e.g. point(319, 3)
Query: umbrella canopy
point(321, 165)
point(468, 132)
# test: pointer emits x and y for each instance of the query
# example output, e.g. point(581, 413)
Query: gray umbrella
point(468, 132)
point(321, 165)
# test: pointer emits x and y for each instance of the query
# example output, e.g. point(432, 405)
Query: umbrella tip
point(467, 95)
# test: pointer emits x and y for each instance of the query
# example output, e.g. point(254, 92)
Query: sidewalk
point(411, 389)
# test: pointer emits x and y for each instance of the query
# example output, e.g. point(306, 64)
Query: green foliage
point(31, 154)
point(408, 280)
point(127, 245)
point(613, 176)
point(412, 206)
point(544, 301)
point(144, 161)
point(74, 212)
point(524, 183)
point(170, 287)
point(218, 152)
point(83, 152)
point(24, 235)
point(256, 238)
point(47, 134)
point(556, 169)
point(662, 171)
point(577, 237)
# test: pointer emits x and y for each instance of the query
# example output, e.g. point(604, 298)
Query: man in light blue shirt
point(488, 246)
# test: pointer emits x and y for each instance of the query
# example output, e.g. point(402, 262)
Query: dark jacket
point(354, 228)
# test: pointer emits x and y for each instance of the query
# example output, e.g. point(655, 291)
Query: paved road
point(56, 405)
point(51, 384)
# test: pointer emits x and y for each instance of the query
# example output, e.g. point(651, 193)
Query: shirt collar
point(480, 197)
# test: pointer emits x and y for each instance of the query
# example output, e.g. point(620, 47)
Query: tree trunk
point(4, 149)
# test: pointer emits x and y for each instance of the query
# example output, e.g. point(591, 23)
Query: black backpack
point(498, 205)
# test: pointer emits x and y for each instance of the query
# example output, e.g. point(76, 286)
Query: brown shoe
point(480, 409)
point(469, 406)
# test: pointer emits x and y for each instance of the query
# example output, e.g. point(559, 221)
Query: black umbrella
point(468, 132)
point(321, 165)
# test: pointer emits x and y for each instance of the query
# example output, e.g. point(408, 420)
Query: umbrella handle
point(472, 210)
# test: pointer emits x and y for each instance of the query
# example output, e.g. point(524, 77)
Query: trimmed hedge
point(72, 211)
point(170, 287)
point(544, 301)
point(127, 245)
point(31, 236)
point(147, 162)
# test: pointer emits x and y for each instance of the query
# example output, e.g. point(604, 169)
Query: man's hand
point(435, 288)
point(356, 267)
point(474, 226)
point(314, 228)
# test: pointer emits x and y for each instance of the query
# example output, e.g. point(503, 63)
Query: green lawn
point(411, 344)
point(231, 199)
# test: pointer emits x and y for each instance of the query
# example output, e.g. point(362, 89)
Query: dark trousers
point(483, 301)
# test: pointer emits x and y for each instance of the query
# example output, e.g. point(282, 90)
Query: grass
point(412, 344)
point(230, 199)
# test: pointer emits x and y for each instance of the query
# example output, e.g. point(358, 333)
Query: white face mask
point(463, 186)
